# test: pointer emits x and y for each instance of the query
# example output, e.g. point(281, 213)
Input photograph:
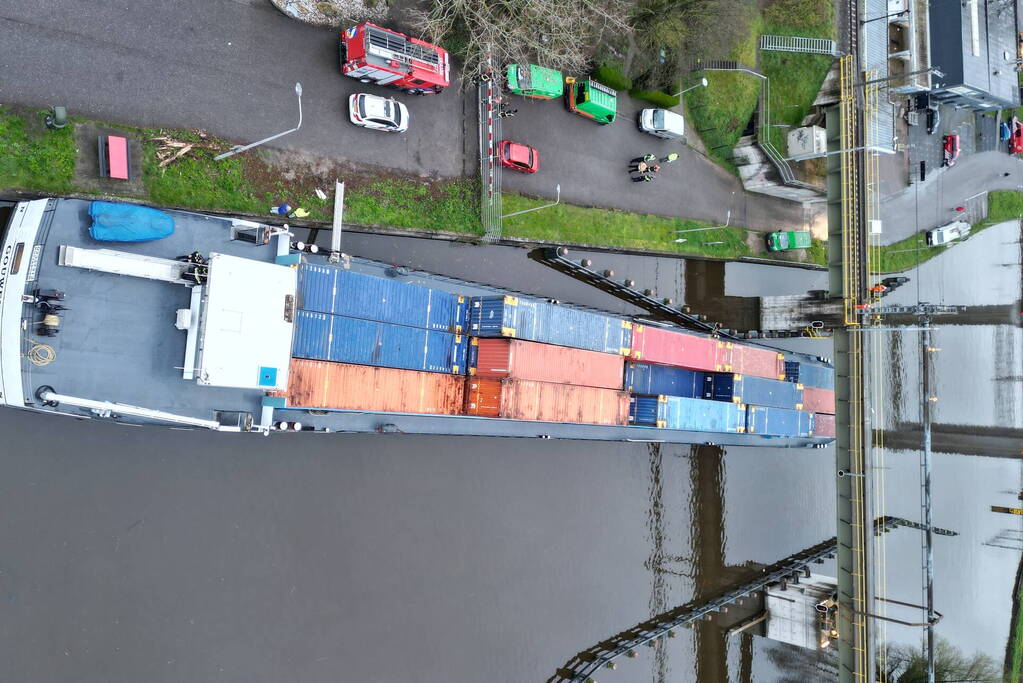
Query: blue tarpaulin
point(112, 222)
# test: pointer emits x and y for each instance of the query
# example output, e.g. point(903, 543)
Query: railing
point(490, 169)
point(816, 46)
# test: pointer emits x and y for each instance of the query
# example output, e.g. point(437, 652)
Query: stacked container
point(756, 362)
point(823, 425)
point(654, 380)
point(509, 316)
point(778, 421)
point(753, 390)
point(339, 386)
point(336, 338)
point(521, 399)
point(810, 374)
point(331, 289)
point(679, 349)
point(687, 414)
point(819, 400)
point(520, 359)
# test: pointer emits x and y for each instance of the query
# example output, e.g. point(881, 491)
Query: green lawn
point(34, 158)
point(721, 111)
point(606, 227)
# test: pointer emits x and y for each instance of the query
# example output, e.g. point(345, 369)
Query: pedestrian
point(642, 178)
point(298, 213)
point(670, 158)
point(645, 158)
point(1005, 175)
point(282, 209)
point(655, 168)
point(639, 167)
point(960, 208)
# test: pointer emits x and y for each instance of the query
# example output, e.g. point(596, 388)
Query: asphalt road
point(927, 205)
point(229, 66)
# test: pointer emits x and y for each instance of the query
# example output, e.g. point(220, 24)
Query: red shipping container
point(342, 386)
point(520, 399)
point(824, 425)
point(520, 359)
point(751, 360)
point(667, 347)
point(819, 400)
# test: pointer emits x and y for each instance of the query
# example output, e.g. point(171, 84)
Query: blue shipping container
point(725, 386)
point(331, 289)
point(778, 421)
point(687, 414)
point(321, 336)
point(654, 380)
point(810, 374)
point(509, 316)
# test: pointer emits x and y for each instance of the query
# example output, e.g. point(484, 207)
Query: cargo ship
point(141, 316)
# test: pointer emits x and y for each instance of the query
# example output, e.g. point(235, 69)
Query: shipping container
point(321, 385)
point(509, 316)
point(668, 347)
point(823, 424)
point(332, 289)
point(687, 414)
point(320, 336)
point(654, 380)
point(520, 359)
point(778, 421)
point(726, 386)
point(753, 361)
point(818, 400)
point(810, 374)
point(518, 399)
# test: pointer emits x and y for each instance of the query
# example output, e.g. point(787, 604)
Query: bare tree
point(560, 34)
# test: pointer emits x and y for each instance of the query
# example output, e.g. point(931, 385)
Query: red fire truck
point(378, 55)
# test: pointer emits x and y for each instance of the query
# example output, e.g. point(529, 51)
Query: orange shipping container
point(751, 360)
point(342, 386)
point(520, 359)
point(518, 399)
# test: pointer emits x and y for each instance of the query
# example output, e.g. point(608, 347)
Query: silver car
point(379, 113)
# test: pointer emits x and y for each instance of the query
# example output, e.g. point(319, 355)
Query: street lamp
point(241, 148)
point(701, 84)
point(557, 198)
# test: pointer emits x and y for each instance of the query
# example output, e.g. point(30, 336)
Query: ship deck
point(118, 341)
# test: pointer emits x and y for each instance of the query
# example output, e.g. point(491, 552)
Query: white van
point(662, 123)
point(948, 233)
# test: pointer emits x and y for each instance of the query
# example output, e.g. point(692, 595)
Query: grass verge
point(607, 227)
point(44, 161)
point(34, 158)
point(1003, 205)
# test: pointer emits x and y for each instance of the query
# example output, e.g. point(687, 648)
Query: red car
point(1016, 137)
point(951, 150)
point(518, 157)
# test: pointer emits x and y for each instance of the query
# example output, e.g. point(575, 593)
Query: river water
point(131, 554)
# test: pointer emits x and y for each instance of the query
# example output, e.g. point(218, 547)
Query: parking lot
point(927, 148)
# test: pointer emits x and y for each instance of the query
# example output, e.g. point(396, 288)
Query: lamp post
point(557, 199)
point(701, 84)
point(872, 148)
point(241, 148)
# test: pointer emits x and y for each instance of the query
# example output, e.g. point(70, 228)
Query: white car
point(948, 233)
point(379, 113)
point(662, 123)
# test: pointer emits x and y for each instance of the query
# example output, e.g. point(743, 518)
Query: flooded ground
point(134, 554)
